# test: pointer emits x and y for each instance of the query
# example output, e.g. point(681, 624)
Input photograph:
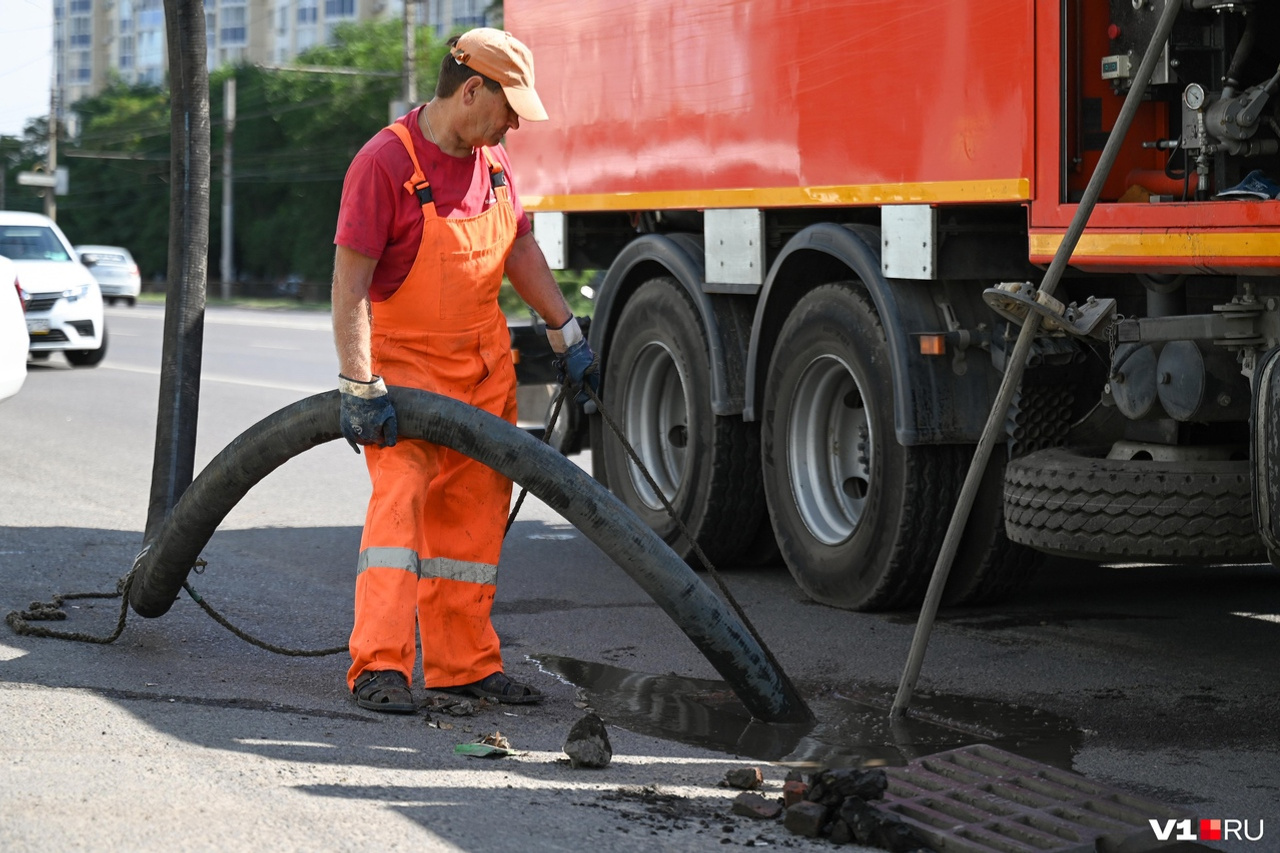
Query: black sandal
point(497, 688)
point(384, 690)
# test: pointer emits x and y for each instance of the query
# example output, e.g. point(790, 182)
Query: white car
point(13, 331)
point(64, 307)
point(115, 270)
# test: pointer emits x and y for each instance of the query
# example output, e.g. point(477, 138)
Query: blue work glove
point(576, 364)
point(367, 414)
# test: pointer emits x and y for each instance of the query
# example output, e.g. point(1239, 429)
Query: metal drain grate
point(979, 799)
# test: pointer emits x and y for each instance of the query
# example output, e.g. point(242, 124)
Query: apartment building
point(97, 41)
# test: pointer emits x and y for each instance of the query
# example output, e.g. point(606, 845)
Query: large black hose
point(164, 563)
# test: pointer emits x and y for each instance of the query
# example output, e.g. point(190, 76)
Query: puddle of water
point(852, 730)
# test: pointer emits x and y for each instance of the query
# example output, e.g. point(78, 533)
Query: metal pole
point(228, 187)
point(410, 86)
point(50, 194)
point(1018, 361)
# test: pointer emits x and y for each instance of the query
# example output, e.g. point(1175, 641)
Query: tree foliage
point(295, 134)
point(22, 154)
point(118, 188)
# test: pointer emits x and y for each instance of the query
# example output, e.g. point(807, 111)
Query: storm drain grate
point(979, 799)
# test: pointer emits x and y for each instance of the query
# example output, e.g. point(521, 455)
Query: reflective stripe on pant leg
point(466, 515)
point(382, 637)
point(386, 585)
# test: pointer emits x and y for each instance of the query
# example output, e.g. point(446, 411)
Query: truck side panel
point(828, 104)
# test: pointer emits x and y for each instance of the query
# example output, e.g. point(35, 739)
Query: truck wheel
point(859, 518)
point(657, 388)
point(1077, 503)
point(988, 568)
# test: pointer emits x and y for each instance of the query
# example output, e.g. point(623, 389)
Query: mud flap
point(1264, 450)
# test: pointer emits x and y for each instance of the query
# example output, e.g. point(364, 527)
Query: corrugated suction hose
point(164, 563)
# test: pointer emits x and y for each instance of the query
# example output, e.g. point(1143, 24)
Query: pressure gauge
point(1193, 96)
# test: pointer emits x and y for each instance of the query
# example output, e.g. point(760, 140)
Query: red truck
point(821, 223)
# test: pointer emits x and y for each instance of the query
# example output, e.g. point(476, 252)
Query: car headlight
point(73, 293)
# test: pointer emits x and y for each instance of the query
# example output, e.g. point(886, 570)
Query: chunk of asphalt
point(588, 744)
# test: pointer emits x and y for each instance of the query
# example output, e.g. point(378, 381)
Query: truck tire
point(988, 568)
point(1077, 503)
point(859, 518)
point(657, 389)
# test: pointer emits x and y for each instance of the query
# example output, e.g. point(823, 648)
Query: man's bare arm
point(352, 276)
point(531, 277)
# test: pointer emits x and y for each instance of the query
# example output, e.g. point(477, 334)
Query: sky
point(26, 58)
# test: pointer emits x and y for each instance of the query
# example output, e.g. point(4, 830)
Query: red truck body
point(815, 103)
point(771, 158)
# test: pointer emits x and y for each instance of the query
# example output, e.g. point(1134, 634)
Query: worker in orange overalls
point(428, 225)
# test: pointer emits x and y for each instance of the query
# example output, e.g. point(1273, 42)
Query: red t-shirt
point(380, 219)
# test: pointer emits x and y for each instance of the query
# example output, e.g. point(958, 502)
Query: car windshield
point(31, 243)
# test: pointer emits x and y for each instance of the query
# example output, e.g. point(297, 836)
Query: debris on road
point(793, 791)
point(454, 706)
point(753, 805)
point(494, 745)
point(588, 743)
point(837, 805)
point(744, 778)
point(481, 750)
point(806, 818)
point(497, 739)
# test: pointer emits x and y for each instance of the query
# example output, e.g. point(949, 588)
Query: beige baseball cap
point(504, 59)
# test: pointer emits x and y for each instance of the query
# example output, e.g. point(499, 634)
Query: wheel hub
point(656, 423)
point(829, 446)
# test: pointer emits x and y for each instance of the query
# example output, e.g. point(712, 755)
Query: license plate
point(37, 327)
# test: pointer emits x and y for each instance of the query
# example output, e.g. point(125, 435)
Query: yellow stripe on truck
point(939, 192)
point(1202, 244)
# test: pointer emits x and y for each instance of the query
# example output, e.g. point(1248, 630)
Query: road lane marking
point(1262, 617)
point(230, 380)
point(8, 653)
point(320, 324)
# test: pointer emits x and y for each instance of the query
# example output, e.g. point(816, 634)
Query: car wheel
point(858, 516)
point(131, 301)
point(88, 357)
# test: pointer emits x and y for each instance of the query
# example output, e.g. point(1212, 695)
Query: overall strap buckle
point(420, 189)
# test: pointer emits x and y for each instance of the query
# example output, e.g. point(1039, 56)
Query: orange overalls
point(434, 528)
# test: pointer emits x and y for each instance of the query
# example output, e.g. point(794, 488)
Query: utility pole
point(50, 195)
point(229, 130)
point(410, 54)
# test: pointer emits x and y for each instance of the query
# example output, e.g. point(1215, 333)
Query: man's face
point(493, 117)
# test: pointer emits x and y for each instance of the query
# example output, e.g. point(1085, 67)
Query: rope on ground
point(51, 611)
point(250, 639)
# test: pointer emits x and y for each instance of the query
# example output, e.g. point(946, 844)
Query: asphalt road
point(1156, 681)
